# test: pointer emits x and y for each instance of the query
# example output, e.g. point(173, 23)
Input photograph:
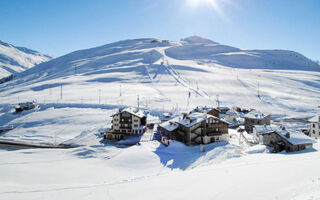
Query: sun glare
point(212, 3)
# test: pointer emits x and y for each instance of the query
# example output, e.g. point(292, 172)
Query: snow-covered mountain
point(164, 72)
point(17, 59)
point(71, 89)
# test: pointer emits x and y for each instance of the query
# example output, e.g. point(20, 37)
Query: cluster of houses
point(204, 125)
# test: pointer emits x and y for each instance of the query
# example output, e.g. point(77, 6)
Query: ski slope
point(164, 73)
point(78, 92)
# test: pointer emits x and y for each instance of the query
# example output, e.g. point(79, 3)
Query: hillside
point(162, 73)
point(17, 59)
point(77, 94)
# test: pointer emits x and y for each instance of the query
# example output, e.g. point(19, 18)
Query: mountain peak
point(16, 59)
point(198, 40)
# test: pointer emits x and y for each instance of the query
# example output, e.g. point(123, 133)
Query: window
point(122, 120)
point(313, 132)
point(135, 120)
point(313, 125)
point(129, 120)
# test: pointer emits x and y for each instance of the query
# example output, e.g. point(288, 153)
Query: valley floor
point(152, 171)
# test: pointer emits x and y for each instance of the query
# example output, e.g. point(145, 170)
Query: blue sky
point(58, 27)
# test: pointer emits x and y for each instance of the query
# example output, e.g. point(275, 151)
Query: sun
point(209, 3)
point(213, 3)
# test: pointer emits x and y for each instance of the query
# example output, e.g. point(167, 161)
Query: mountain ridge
point(14, 59)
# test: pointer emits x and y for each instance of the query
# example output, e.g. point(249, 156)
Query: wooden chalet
point(195, 128)
point(281, 139)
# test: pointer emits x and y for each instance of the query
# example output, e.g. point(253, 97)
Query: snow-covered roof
point(196, 117)
point(315, 119)
point(167, 116)
point(263, 129)
point(202, 109)
point(133, 111)
point(254, 114)
point(223, 108)
point(231, 112)
point(296, 137)
point(171, 125)
point(27, 104)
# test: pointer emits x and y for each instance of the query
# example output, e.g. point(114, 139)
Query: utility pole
point(218, 102)
point(121, 95)
point(258, 89)
point(138, 99)
point(61, 92)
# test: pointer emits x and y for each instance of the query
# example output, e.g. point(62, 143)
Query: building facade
point(281, 139)
point(315, 129)
point(195, 128)
point(255, 118)
point(127, 122)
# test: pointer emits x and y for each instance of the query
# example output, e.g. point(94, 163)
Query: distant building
point(127, 122)
point(281, 139)
point(25, 106)
point(204, 109)
point(315, 128)
point(223, 110)
point(231, 116)
point(255, 118)
point(195, 128)
point(166, 117)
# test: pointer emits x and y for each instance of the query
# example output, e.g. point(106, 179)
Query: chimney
point(188, 120)
point(184, 115)
point(287, 135)
point(172, 124)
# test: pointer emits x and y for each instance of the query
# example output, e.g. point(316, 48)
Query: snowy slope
point(17, 59)
point(163, 73)
point(78, 92)
point(152, 171)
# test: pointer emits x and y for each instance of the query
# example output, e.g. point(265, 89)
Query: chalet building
point(255, 118)
point(127, 122)
point(195, 128)
point(166, 117)
point(210, 111)
point(281, 139)
point(223, 110)
point(315, 128)
point(25, 106)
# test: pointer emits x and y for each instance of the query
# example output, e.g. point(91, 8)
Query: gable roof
point(295, 138)
point(171, 124)
point(254, 114)
point(263, 129)
point(133, 111)
point(196, 117)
